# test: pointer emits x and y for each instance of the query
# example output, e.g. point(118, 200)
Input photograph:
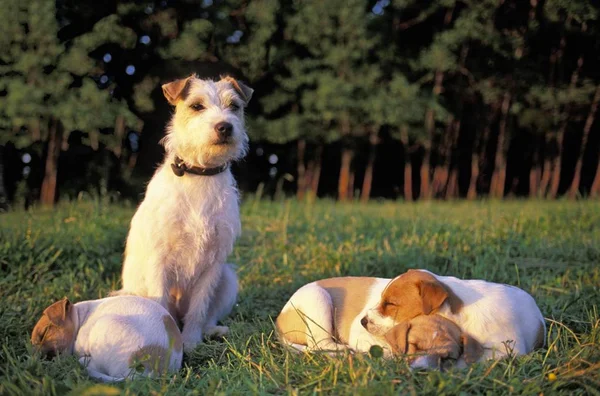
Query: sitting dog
point(437, 341)
point(186, 225)
point(356, 312)
point(114, 337)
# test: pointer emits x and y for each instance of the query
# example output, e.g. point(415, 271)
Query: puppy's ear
point(58, 312)
point(472, 349)
point(433, 295)
point(242, 89)
point(176, 90)
point(397, 337)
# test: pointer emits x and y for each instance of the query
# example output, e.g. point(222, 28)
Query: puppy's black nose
point(364, 322)
point(224, 129)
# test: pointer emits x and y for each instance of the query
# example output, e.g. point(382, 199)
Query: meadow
point(550, 249)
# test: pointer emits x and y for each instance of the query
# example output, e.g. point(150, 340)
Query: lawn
point(550, 249)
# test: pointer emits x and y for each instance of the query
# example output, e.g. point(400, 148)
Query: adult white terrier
point(185, 228)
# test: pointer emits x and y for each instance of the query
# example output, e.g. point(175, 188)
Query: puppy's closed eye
point(197, 107)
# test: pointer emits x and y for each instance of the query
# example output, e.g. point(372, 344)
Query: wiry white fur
point(186, 226)
point(111, 330)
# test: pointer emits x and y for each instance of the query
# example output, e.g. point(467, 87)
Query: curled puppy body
point(504, 319)
point(432, 341)
point(114, 337)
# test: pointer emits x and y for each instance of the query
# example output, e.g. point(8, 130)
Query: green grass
point(552, 250)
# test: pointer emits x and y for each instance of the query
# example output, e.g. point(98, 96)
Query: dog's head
point(55, 331)
point(207, 128)
point(407, 296)
point(435, 336)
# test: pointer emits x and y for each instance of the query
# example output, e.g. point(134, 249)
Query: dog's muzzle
point(224, 131)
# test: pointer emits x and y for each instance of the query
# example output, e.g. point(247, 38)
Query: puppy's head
point(55, 331)
point(207, 128)
point(407, 296)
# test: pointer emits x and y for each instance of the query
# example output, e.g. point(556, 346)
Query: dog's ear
point(242, 89)
point(176, 90)
point(58, 312)
point(397, 337)
point(472, 349)
point(433, 295)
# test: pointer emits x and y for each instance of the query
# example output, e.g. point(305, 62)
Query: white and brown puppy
point(357, 312)
point(432, 341)
point(114, 337)
point(504, 319)
point(186, 226)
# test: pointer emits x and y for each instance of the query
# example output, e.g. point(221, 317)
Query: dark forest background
point(405, 99)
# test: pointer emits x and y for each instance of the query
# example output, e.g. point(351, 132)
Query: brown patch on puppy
point(436, 336)
point(55, 331)
point(415, 293)
point(472, 349)
point(349, 296)
point(292, 327)
point(153, 358)
point(397, 337)
point(173, 332)
point(243, 90)
point(540, 339)
point(176, 90)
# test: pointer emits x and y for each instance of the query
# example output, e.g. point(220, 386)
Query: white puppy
point(114, 337)
point(357, 312)
point(185, 228)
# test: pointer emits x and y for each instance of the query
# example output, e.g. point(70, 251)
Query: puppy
point(438, 341)
point(186, 225)
point(356, 312)
point(504, 319)
point(114, 337)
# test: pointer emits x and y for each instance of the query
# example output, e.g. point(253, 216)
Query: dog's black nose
point(224, 129)
point(364, 322)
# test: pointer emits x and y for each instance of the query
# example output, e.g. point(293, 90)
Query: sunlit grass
point(550, 249)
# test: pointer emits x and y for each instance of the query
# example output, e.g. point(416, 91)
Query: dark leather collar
point(179, 168)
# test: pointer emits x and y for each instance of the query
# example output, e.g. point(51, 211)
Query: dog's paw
point(191, 340)
point(216, 332)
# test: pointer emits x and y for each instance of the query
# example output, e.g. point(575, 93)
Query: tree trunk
point(408, 194)
point(560, 137)
point(499, 175)
point(344, 179)
point(3, 195)
point(574, 188)
point(119, 133)
point(595, 190)
point(368, 179)
point(316, 172)
point(48, 192)
point(440, 173)
point(472, 193)
point(430, 128)
point(452, 187)
point(534, 172)
point(301, 180)
point(546, 168)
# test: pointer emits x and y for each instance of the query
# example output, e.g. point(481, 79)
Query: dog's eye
point(234, 106)
point(197, 107)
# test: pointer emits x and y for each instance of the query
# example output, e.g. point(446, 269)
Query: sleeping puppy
point(432, 341)
point(113, 337)
point(356, 312)
point(503, 318)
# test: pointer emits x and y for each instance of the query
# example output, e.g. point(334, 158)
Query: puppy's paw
point(216, 332)
point(191, 340)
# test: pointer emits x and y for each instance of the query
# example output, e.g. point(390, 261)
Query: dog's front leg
point(196, 316)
